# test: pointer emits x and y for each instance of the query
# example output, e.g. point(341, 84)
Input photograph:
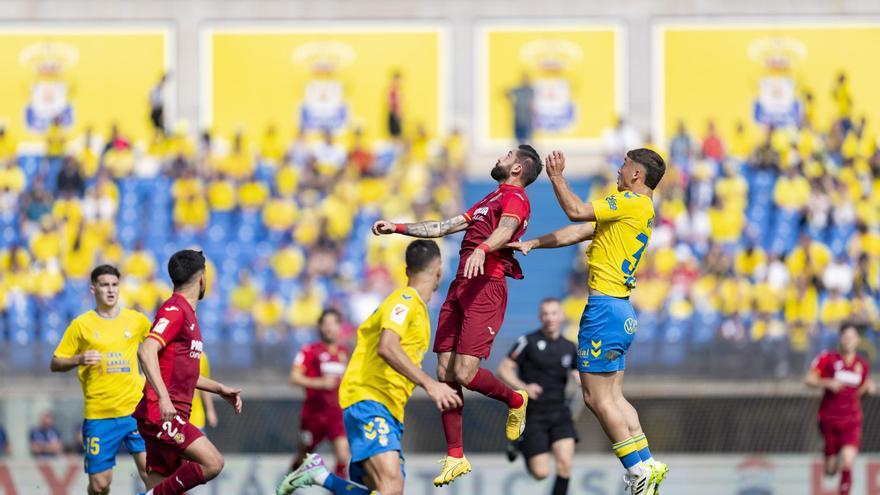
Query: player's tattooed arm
point(503, 233)
point(576, 209)
point(425, 230)
point(566, 236)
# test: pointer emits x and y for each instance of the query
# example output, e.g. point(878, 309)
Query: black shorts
point(544, 428)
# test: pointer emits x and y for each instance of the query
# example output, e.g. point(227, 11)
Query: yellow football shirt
point(368, 376)
point(197, 415)
point(113, 387)
point(624, 222)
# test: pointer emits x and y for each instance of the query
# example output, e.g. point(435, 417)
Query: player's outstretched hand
point(474, 264)
point(522, 246)
point(443, 395)
point(232, 396)
point(555, 163)
point(383, 227)
point(90, 358)
point(167, 411)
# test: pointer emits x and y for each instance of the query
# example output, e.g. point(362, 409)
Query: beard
point(499, 173)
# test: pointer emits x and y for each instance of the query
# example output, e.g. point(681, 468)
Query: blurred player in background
point(203, 412)
point(102, 344)
point(541, 363)
point(384, 370)
point(620, 226)
point(474, 309)
point(318, 368)
point(843, 376)
point(179, 456)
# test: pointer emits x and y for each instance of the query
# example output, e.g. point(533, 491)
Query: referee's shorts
point(544, 427)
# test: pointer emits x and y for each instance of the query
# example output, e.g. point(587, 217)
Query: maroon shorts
point(838, 433)
point(166, 442)
point(317, 426)
point(471, 316)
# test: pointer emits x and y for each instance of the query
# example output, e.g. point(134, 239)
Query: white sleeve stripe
point(521, 344)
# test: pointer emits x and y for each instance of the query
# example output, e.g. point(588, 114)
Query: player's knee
point(539, 472)
point(99, 485)
point(393, 486)
point(212, 466)
point(563, 468)
point(464, 374)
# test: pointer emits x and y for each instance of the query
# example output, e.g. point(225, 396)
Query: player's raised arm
point(566, 236)
point(391, 351)
point(425, 230)
point(576, 209)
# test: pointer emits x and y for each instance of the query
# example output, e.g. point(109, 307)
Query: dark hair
point(104, 270)
point(329, 312)
point(183, 265)
point(846, 325)
point(654, 165)
point(531, 163)
point(420, 253)
point(548, 300)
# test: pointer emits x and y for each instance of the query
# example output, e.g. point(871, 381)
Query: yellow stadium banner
point(319, 77)
point(761, 73)
point(82, 75)
point(563, 81)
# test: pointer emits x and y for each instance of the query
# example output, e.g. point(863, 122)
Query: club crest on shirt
point(542, 345)
point(126, 333)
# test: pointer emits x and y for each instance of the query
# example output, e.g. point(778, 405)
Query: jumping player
point(541, 363)
point(620, 226)
point(102, 344)
point(843, 376)
point(384, 370)
point(318, 368)
point(179, 456)
point(474, 309)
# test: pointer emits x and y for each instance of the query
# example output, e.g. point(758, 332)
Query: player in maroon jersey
point(843, 375)
point(179, 457)
point(474, 309)
point(318, 368)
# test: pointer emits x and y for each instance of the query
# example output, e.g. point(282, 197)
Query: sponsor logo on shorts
point(491, 332)
point(630, 325)
point(179, 438)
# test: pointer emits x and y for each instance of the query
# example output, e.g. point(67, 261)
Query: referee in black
point(541, 363)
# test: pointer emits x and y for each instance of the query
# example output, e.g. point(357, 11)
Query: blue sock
point(340, 486)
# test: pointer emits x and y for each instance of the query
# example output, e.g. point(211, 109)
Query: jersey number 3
point(630, 268)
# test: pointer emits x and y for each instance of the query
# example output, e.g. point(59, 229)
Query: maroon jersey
point(483, 219)
point(316, 360)
point(845, 404)
point(177, 329)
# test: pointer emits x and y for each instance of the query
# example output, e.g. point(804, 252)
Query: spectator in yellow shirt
point(46, 244)
point(843, 100)
point(55, 139)
point(239, 164)
point(792, 191)
point(268, 312)
point(222, 195)
point(288, 262)
point(835, 309)
point(749, 260)
point(140, 263)
point(244, 296)
point(252, 195)
point(11, 176)
point(191, 213)
point(280, 213)
point(271, 147)
point(809, 258)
